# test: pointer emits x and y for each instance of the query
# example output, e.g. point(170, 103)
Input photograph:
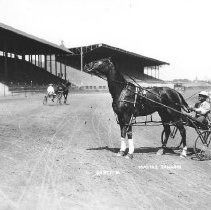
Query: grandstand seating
point(84, 80)
point(25, 76)
point(23, 72)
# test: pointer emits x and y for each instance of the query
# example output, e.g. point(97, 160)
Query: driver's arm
point(203, 109)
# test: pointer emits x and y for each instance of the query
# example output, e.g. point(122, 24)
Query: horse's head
point(67, 84)
point(102, 67)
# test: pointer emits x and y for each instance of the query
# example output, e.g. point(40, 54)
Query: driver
point(202, 108)
point(51, 91)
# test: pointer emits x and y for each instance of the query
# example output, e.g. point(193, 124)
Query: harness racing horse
point(64, 88)
point(131, 101)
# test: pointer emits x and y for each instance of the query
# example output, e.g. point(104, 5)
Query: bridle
point(97, 72)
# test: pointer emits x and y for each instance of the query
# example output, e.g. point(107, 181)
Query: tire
point(59, 98)
point(201, 147)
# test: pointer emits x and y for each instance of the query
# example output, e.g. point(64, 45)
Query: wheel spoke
point(201, 147)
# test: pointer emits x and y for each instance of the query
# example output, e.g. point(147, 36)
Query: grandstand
point(128, 63)
point(29, 63)
point(24, 59)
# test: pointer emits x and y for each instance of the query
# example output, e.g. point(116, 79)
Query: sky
point(174, 31)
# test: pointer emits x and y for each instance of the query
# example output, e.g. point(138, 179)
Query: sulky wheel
point(201, 147)
point(59, 98)
point(45, 99)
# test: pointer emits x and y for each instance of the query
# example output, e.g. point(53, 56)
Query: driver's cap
point(204, 93)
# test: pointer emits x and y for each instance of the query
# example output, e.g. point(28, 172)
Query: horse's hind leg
point(167, 132)
point(183, 135)
point(65, 98)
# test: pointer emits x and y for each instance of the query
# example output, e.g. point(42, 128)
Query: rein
point(188, 117)
point(142, 95)
point(137, 93)
point(142, 88)
point(189, 120)
point(145, 89)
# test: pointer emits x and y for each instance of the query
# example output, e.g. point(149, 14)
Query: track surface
point(64, 157)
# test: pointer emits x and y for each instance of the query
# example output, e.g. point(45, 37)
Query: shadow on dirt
point(153, 150)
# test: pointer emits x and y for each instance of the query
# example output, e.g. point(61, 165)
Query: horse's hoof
point(160, 151)
point(120, 154)
point(183, 154)
point(129, 156)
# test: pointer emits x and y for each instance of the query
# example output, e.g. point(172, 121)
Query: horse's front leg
point(130, 143)
point(126, 130)
point(65, 98)
point(123, 143)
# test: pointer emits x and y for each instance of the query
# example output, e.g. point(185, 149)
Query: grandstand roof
point(99, 51)
point(21, 43)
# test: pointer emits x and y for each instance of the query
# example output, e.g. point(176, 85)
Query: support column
point(50, 65)
point(5, 62)
point(55, 66)
point(38, 60)
point(22, 60)
point(65, 72)
point(60, 70)
point(45, 62)
point(15, 65)
point(81, 58)
point(35, 60)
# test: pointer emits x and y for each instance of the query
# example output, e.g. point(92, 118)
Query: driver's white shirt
point(50, 90)
point(203, 108)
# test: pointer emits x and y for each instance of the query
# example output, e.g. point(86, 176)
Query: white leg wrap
point(131, 146)
point(123, 145)
point(184, 152)
point(185, 148)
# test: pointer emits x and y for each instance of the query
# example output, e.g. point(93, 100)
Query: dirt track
point(64, 157)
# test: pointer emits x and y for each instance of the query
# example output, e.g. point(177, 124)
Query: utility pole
point(81, 58)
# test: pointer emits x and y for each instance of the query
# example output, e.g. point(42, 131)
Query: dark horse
point(131, 101)
point(64, 88)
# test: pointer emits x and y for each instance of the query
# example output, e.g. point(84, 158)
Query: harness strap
point(134, 105)
point(136, 94)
